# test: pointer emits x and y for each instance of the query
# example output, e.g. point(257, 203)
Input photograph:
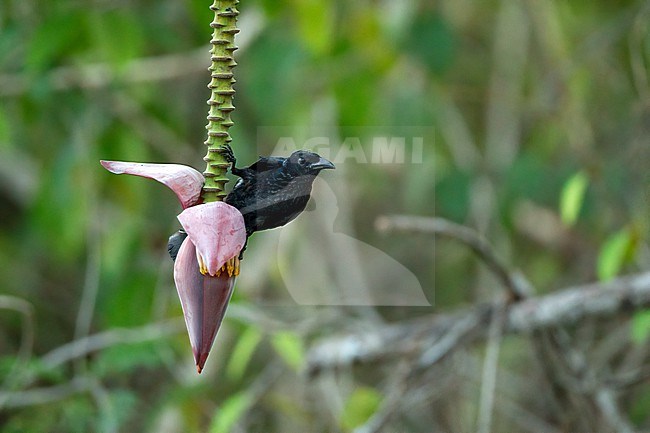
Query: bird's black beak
point(322, 164)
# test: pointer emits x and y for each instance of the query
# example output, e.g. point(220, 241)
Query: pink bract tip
point(185, 181)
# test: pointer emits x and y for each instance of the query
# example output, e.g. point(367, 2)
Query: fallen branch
point(557, 309)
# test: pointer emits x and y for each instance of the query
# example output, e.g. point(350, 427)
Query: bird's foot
point(228, 154)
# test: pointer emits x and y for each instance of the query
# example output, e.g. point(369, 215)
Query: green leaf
point(119, 407)
point(230, 412)
point(127, 358)
point(61, 221)
point(432, 41)
point(573, 195)
point(78, 414)
point(34, 366)
point(316, 24)
point(5, 132)
point(361, 405)
point(130, 300)
point(639, 405)
point(116, 36)
point(641, 326)
point(289, 346)
point(54, 39)
point(242, 353)
point(612, 255)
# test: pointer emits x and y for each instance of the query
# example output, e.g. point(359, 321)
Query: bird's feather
point(266, 163)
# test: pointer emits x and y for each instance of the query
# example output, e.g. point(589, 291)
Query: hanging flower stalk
point(206, 262)
point(224, 28)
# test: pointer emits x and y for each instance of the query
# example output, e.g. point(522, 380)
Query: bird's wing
point(267, 163)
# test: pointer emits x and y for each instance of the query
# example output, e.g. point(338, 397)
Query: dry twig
point(518, 287)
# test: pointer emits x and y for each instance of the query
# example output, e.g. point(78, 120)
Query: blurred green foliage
point(521, 95)
point(361, 404)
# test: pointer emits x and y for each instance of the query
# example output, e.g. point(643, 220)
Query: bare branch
point(609, 409)
point(557, 309)
point(583, 380)
point(26, 310)
point(99, 75)
point(630, 378)
point(518, 287)
point(38, 396)
point(392, 401)
point(448, 341)
point(93, 343)
point(573, 304)
point(90, 289)
point(490, 370)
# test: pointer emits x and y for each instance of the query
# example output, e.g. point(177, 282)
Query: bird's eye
point(301, 161)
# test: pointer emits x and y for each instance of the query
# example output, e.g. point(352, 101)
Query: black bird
point(273, 191)
point(174, 243)
point(270, 193)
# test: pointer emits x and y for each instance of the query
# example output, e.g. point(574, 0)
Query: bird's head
point(303, 162)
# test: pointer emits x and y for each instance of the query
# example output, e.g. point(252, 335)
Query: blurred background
point(535, 126)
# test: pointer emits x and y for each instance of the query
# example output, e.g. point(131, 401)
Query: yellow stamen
point(202, 268)
point(230, 268)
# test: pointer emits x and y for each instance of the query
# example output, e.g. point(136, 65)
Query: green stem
point(223, 45)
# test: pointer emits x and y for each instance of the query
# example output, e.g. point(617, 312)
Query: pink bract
point(216, 234)
point(204, 299)
point(217, 229)
point(185, 181)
